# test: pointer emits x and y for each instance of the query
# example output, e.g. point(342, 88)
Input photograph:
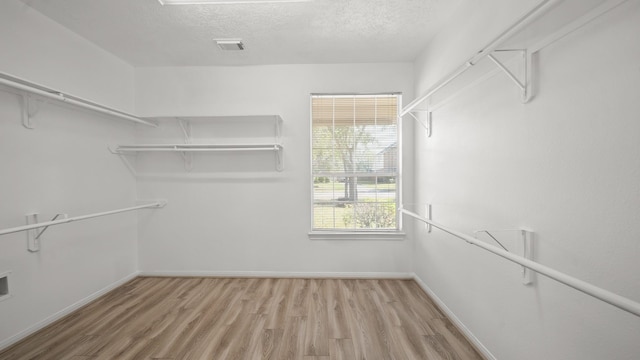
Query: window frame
point(358, 234)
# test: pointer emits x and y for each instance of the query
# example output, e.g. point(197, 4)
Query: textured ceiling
point(144, 33)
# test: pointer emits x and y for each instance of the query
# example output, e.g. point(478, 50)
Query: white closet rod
point(525, 20)
point(158, 204)
point(580, 285)
point(34, 88)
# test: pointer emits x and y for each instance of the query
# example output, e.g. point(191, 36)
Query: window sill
point(345, 235)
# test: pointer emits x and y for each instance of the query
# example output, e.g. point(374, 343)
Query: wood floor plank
point(270, 345)
point(408, 320)
point(365, 337)
point(212, 323)
point(419, 301)
point(341, 349)
point(387, 311)
point(458, 342)
point(384, 288)
point(252, 345)
point(123, 348)
point(300, 302)
point(316, 341)
point(264, 295)
point(441, 346)
point(213, 296)
point(279, 319)
point(234, 342)
point(378, 327)
point(337, 318)
point(410, 346)
point(132, 308)
point(292, 347)
point(279, 306)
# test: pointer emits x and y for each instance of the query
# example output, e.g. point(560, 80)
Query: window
point(355, 162)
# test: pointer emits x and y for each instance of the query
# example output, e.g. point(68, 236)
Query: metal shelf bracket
point(427, 124)
point(278, 126)
point(524, 85)
point(33, 242)
point(29, 110)
point(279, 151)
point(185, 126)
point(523, 245)
point(33, 235)
point(428, 215)
point(125, 160)
point(279, 159)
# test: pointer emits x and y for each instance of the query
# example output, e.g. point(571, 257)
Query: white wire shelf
point(187, 150)
point(197, 147)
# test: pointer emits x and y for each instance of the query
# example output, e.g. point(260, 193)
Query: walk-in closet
point(320, 179)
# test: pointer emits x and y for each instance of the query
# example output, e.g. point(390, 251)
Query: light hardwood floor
point(224, 318)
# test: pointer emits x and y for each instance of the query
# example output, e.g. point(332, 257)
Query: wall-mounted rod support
point(507, 72)
point(279, 159)
point(425, 124)
point(616, 300)
point(185, 125)
point(158, 204)
point(28, 111)
point(523, 246)
point(429, 215)
point(46, 227)
point(525, 87)
point(33, 243)
point(493, 237)
point(526, 19)
point(33, 235)
point(278, 125)
point(33, 88)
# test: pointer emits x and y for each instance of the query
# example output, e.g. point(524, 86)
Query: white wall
point(233, 213)
point(566, 165)
point(40, 50)
point(63, 166)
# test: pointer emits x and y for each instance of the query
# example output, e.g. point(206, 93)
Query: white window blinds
point(355, 162)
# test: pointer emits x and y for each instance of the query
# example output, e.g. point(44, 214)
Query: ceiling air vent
point(230, 44)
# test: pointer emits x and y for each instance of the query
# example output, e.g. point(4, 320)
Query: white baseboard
point(64, 312)
point(454, 319)
point(281, 274)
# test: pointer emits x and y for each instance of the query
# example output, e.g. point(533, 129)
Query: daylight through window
point(355, 161)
